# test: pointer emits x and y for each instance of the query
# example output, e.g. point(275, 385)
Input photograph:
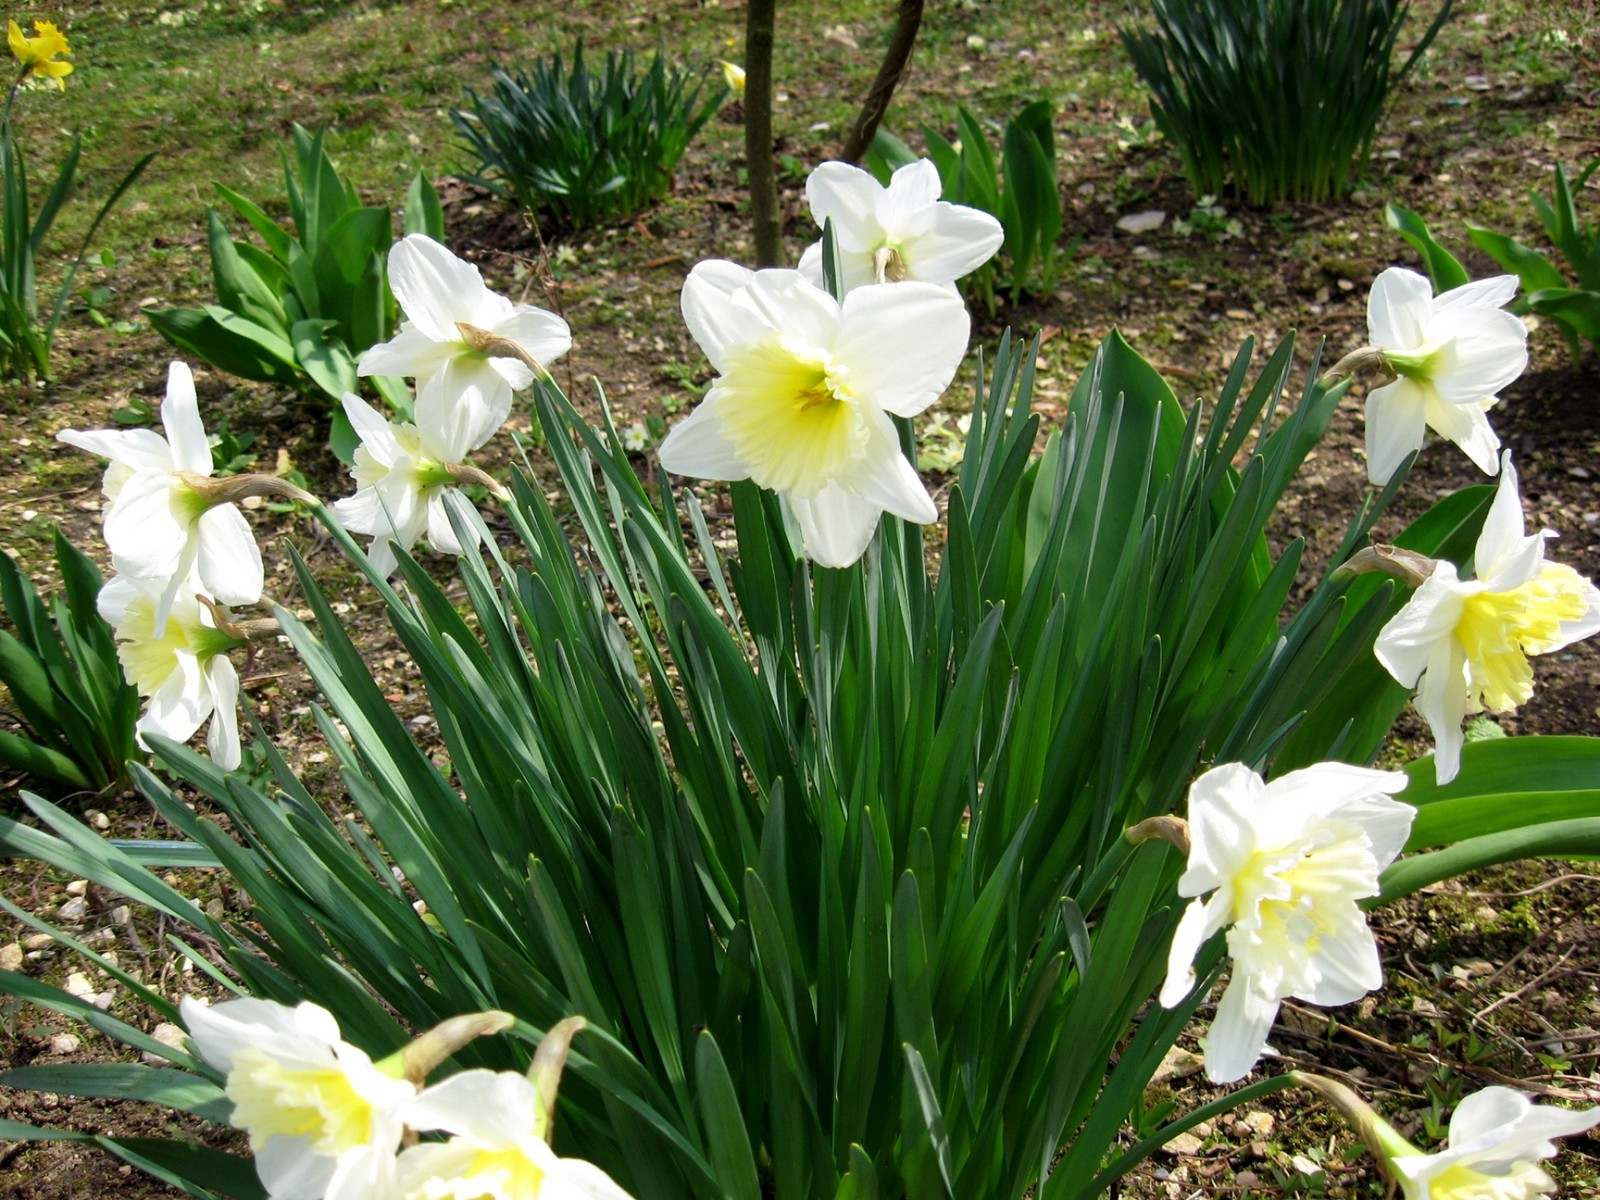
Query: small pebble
point(11, 957)
point(64, 1043)
point(120, 914)
point(77, 887)
point(73, 910)
point(37, 941)
point(167, 1034)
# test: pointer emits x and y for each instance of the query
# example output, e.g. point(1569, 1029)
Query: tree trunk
point(895, 60)
point(760, 19)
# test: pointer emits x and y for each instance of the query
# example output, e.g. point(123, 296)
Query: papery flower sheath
point(1284, 866)
point(38, 54)
point(323, 1119)
point(804, 391)
point(182, 670)
point(157, 524)
point(463, 391)
point(495, 1151)
point(900, 232)
point(1453, 354)
point(1464, 643)
point(402, 479)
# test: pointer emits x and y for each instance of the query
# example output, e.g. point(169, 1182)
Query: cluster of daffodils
point(1463, 643)
point(325, 1121)
point(807, 383)
point(182, 550)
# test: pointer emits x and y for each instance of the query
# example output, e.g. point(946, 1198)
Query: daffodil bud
point(1405, 565)
point(548, 1063)
point(434, 1048)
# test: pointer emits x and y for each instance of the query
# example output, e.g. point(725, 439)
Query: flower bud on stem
point(430, 1051)
point(548, 1062)
point(1367, 357)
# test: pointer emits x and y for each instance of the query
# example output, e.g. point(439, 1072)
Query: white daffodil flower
point(458, 343)
point(180, 666)
point(903, 231)
point(323, 1119)
point(495, 1152)
point(1286, 864)
point(1452, 354)
point(1464, 643)
point(402, 478)
point(1497, 1137)
point(804, 392)
point(158, 523)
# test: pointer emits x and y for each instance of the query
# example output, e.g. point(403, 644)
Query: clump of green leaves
point(1017, 187)
point(1280, 98)
point(27, 332)
point(71, 711)
point(581, 148)
point(300, 311)
point(1571, 298)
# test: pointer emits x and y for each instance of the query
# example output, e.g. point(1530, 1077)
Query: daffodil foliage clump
point(861, 834)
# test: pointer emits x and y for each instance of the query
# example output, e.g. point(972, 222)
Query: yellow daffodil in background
point(733, 73)
point(38, 55)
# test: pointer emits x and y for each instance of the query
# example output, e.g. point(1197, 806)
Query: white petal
point(180, 705)
point(1324, 788)
point(115, 598)
point(1478, 295)
point(1347, 959)
point(1398, 309)
point(1467, 425)
point(180, 417)
point(410, 353)
point(1505, 557)
point(784, 301)
point(146, 539)
point(849, 197)
point(1486, 354)
point(909, 206)
point(835, 525)
point(1387, 823)
point(959, 241)
point(712, 309)
point(222, 739)
point(364, 1173)
point(220, 1030)
point(902, 343)
point(1239, 1032)
point(1395, 425)
point(441, 534)
point(697, 447)
point(496, 1109)
point(893, 485)
point(375, 432)
point(1198, 923)
point(1442, 701)
point(461, 407)
point(1405, 645)
point(580, 1180)
point(434, 287)
point(1223, 807)
point(229, 559)
point(143, 450)
point(543, 335)
point(810, 265)
point(292, 1170)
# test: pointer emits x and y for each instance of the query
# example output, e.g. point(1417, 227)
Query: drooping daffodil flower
point(1452, 354)
point(1283, 866)
point(1497, 1139)
point(324, 1120)
point(38, 54)
point(805, 390)
point(181, 670)
point(467, 347)
point(402, 480)
point(165, 517)
point(1464, 643)
point(900, 232)
point(733, 75)
point(495, 1151)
